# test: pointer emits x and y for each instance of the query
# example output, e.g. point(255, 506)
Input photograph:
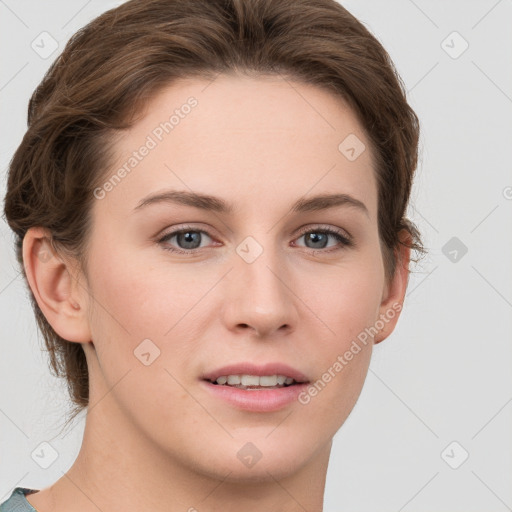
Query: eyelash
point(338, 235)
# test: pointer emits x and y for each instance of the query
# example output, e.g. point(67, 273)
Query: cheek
point(138, 301)
point(134, 307)
point(346, 299)
point(126, 302)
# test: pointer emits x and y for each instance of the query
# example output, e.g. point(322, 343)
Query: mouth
point(247, 375)
point(255, 388)
point(254, 382)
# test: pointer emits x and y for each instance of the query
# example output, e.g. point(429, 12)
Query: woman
point(209, 204)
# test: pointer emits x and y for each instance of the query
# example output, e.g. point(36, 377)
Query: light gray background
point(445, 373)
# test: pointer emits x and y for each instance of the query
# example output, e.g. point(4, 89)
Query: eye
point(318, 238)
point(187, 238)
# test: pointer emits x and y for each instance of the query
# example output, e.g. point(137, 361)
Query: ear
point(394, 291)
point(60, 297)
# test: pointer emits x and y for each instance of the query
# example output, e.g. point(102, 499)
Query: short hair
point(113, 66)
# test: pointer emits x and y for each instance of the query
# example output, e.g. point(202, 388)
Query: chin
point(258, 460)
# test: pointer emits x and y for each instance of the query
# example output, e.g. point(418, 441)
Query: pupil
point(190, 239)
point(315, 237)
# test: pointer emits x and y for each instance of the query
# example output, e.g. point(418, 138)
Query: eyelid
point(326, 227)
point(185, 227)
point(180, 229)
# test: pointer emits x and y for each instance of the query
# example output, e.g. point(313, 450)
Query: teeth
point(255, 380)
point(222, 380)
point(250, 380)
point(233, 379)
point(266, 380)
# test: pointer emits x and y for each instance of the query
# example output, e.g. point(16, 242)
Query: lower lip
point(256, 400)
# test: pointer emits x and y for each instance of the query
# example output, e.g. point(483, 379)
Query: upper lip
point(246, 368)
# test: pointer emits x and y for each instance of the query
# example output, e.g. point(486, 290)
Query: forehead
point(246, 139)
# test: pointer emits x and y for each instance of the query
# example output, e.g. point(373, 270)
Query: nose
point(259, 297)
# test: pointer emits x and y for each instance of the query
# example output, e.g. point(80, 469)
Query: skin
point(154, 439)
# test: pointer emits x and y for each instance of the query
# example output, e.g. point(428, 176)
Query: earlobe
point(52, 283)
point(393, 298)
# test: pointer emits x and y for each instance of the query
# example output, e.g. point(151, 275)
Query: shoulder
point(17, 502)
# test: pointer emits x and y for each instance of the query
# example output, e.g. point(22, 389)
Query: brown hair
point(111, 67)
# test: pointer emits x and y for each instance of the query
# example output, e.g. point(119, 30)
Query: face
point(259, 275)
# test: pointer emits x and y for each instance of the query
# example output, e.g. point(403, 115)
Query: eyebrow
point(216, 204)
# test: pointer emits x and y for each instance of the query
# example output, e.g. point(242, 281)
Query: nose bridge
point(259, 294)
